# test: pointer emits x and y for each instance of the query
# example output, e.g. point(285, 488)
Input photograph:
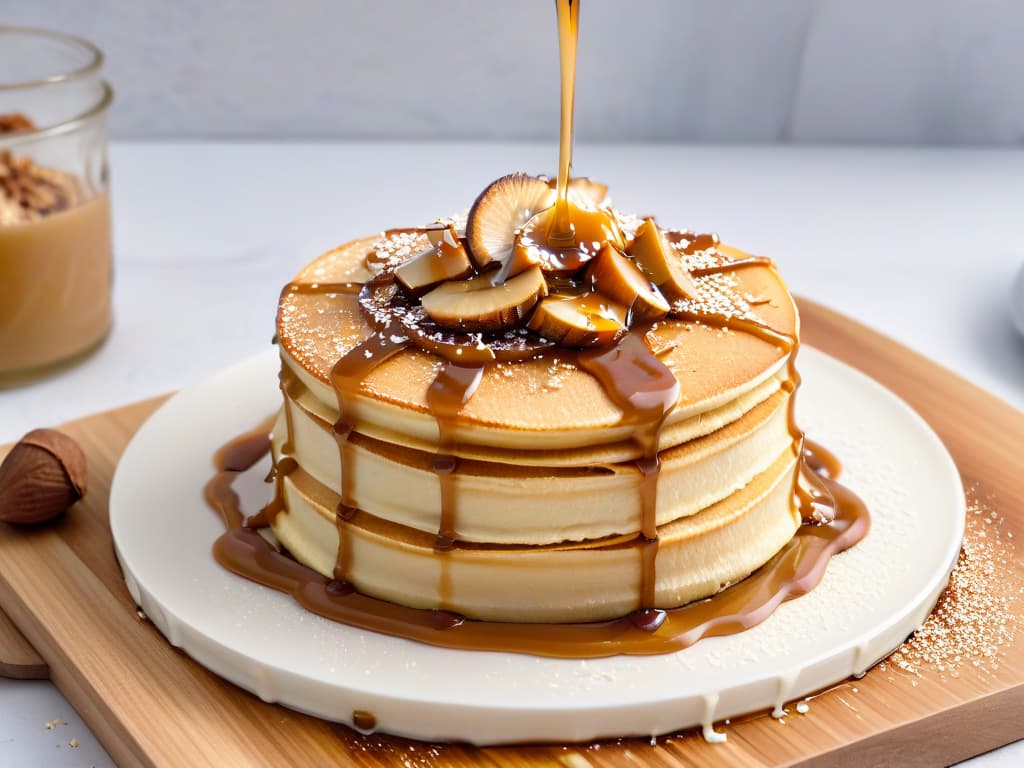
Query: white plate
point(871, 598)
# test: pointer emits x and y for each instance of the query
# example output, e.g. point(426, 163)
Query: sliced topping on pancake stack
point(588, 320)
point(446, 259)
point(505, 206)
point(582, 363)
point(652, 252)
point(476, 304)
point(616, 276)
point(504, 273)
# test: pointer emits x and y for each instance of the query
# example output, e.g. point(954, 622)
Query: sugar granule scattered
point(975, 618)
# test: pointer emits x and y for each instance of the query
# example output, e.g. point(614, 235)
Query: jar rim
point(95, 56)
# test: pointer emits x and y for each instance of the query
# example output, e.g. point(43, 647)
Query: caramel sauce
point(346, 377)
point(815, 501)
point(589, 230)
point(789, 344)
point(382, 297)
point(290, 387)
point(560, 228)
point(363, 720)
point(645, 390)
point(55, 285)
point(447, 395)
point(820, 461)
point(794, 571)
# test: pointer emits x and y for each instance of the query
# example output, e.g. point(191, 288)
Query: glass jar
point(55, 230)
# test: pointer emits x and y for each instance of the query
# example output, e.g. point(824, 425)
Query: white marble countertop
point(921, 244)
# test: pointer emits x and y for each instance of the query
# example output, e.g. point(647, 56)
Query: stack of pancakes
point(548, 512)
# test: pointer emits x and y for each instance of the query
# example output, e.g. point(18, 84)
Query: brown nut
point(15, 122)
point(42, 476)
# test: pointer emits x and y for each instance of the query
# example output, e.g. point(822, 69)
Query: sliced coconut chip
point(501, 209)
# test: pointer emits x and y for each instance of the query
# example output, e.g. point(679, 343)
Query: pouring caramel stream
point(560, 229)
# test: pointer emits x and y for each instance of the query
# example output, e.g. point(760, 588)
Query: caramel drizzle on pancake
point(645, 390)
point(346, 377)
point(446, 396)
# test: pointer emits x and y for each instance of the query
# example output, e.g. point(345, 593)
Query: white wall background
point(889, 71)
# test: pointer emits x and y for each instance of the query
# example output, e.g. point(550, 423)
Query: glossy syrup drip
point(562, 257)
point(281, 468)
point(820, 461)
point(645, 390)
point(290, 388)
point(794, 571)
point(232, 458)
point(789, 344)
point(363, 720)
point(346, 377)
point(446, 397)
point(285, 464)
point(815, 500)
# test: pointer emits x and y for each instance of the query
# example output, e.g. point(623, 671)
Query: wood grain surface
point(151, 705)
point(18, 659)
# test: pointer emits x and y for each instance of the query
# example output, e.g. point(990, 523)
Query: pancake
point(489, 465)
point(547, 400)
point(511, 502)
point(697, 556)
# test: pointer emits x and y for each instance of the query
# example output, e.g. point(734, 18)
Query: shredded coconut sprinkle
point(976, 617)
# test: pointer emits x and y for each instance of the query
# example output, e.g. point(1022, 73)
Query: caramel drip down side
point(790, 344)
point(645, 390)
point(794, 571)
point(285, 464)
point(231, 459)
point(815, 501)
point(447, 395)
point(346, 377)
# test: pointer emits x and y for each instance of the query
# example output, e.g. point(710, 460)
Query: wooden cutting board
point(151, 705)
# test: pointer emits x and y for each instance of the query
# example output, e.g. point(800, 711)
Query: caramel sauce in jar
point(55, 286)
